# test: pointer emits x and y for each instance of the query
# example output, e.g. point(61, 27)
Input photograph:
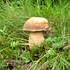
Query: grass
point(12, 38)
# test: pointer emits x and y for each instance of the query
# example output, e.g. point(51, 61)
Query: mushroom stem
point(36, 39)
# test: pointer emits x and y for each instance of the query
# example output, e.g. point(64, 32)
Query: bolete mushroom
point(36, 26)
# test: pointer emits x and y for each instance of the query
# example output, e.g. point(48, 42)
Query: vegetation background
point(55, 52)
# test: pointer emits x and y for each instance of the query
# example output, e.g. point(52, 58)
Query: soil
point(26, 66)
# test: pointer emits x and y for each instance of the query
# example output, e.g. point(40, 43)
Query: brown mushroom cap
point(36, 24)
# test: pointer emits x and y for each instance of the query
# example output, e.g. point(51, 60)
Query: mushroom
point(36, 26)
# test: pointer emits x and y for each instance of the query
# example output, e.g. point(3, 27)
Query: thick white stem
point(36, 38)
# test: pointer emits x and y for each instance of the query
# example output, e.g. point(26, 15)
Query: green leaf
point(26, 57)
